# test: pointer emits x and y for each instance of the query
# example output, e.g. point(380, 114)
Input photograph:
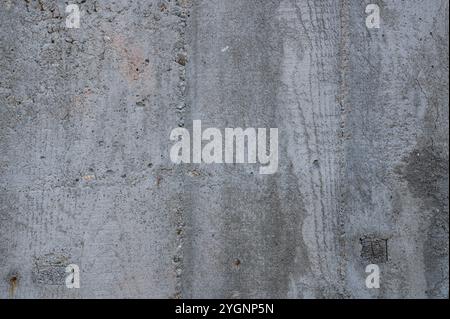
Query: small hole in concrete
point(316, 163)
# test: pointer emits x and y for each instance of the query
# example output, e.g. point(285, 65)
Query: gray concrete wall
point(86, 178)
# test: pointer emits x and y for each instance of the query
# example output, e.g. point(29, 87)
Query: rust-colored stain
point(88, 177)
point(158, 180)
point(13, 282)
point(80, 99)
point(131, 56)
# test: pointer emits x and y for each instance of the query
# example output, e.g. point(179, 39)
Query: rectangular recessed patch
point(374, 249)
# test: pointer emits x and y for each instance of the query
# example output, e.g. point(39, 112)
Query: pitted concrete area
point(86, 177)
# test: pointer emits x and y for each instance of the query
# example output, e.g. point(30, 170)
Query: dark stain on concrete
point(427, 173)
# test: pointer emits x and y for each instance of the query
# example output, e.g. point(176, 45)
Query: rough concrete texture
point(86, 178)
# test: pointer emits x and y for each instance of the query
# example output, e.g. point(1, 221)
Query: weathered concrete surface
point(85, 174)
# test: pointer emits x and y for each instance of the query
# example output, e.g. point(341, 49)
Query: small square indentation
point(374, 249)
